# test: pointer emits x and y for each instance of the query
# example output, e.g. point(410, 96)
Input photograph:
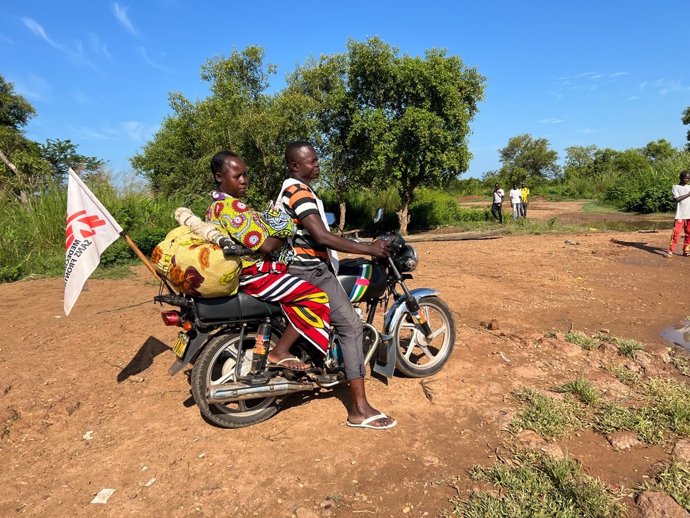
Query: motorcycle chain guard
point(385, 361)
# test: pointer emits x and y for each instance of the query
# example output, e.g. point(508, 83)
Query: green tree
point(237, 115)
point(579, 162)
point(411, 117)
point(660, 149)
point(62, 154)
point(23, 168)
point(326, 82)
point(528, 159)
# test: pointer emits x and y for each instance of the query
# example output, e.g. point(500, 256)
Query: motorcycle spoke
point(426, 351)
point(410, 348)
point(440, 330)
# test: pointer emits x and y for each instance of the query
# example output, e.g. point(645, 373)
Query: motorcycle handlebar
point(394, 239)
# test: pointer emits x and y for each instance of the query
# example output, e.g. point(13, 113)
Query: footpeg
point(330, 380)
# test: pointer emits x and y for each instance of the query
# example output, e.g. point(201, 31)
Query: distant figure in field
point(497, 205)
point(681, 195)
point(524, 194)
point(516, 202)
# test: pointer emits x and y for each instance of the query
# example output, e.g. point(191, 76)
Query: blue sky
point(613, 74)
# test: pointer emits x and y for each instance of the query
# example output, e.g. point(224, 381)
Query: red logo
point(84, 226)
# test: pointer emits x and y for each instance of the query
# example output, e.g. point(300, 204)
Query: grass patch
point(547, 416)
point(661, 413)
point(581, 388)
point(595, 207)
point(550, 334)
point(680, 362)
point(628, 347)
point(674, 480)
point(581, 339)
point(624, 375)
point(539, 485)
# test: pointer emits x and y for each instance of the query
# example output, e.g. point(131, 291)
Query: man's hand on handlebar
point(380, 248)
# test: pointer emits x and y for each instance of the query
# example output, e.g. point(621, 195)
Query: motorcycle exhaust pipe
point(226, 392)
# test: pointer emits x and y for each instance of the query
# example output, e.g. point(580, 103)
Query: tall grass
point(33, 237)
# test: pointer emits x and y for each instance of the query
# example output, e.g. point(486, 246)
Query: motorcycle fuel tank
point(362, 279)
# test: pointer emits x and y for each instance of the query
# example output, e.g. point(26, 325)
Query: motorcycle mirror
point(330, 218)
point(379, 215)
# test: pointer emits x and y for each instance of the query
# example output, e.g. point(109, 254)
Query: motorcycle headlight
point(407, 259)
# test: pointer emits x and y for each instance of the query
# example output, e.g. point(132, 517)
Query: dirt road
point(86, 402)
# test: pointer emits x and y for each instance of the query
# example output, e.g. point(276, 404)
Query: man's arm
point(681, 197)
point(323, 236)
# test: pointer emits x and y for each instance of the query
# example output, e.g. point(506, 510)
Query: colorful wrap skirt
point(304, 305)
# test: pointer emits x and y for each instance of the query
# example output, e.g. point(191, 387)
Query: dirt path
point(102, 372)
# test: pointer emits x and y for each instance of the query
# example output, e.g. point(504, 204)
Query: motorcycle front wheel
point(417, 356)
point(216, 365)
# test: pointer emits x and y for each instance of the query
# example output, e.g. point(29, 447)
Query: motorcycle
point(227, 339)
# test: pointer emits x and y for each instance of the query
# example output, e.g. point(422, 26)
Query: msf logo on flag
point(84, 224)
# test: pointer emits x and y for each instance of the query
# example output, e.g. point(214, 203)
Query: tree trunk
point(341, 220)
point(21, 196)
point(403, 216)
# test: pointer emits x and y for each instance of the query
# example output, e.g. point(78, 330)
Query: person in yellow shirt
point(524, 194)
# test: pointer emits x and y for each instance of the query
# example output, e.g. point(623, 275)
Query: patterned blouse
point(251, 228)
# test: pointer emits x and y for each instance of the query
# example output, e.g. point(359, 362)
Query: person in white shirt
point(681, 195)
point(497, 205)
point(516, 201)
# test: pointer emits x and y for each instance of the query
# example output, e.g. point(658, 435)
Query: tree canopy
point(376, 117)
point(530, 159)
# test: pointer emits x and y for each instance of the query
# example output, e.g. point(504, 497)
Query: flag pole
point(145, 260)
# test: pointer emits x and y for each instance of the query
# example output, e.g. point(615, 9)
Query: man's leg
point(686, 241)
point(348, 326)
point(494, 211)
point(677, 226)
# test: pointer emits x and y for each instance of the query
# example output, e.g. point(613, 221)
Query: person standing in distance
point(316, 262)
point(497, 205)
point(524, 194)
point(516, 202)
point(681, 195)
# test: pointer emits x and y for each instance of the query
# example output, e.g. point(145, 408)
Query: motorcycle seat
point(238, 308)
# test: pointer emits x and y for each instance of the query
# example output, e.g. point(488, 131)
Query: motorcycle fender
point(196, 341)
point(385, 361)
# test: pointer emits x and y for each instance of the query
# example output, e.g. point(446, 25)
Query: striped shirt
point(299, 201)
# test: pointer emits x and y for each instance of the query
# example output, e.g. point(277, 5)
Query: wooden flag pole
point(146, 261)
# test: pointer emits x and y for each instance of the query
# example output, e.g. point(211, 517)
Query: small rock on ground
point(653, 504)
point(623, 440)
point(681, 451)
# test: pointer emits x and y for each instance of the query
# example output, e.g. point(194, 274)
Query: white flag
point(90, 230)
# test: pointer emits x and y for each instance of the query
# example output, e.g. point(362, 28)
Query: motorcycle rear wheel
point(215, 365)
point(417, 357)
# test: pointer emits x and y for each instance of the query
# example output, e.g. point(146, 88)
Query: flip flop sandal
point(367, 423)
point(279, 364)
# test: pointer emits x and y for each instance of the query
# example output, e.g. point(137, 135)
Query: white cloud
point(668, 86)
point(38, 30)
point(585, 82)
point(75, 54)
point(551, 120)
point(632, 98)
point(153, 64)
point(587, 131)
point(6, 39)
point(138, 131)
point(120, 13)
